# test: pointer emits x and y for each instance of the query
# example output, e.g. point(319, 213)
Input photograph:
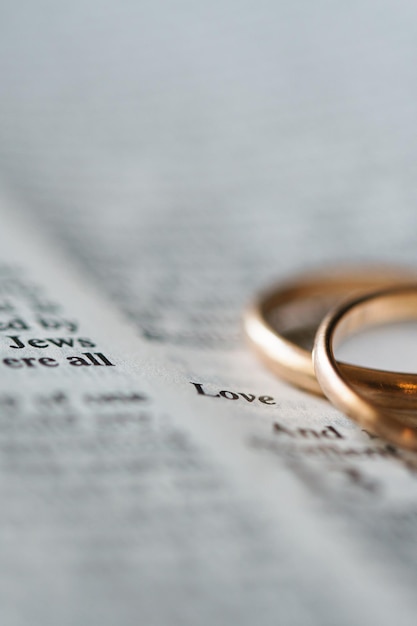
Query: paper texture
point(117, 469)
point(181, 157)
point(112, 512)
point(116, 497)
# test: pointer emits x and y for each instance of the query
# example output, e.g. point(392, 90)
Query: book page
point(356, 478)
point(184, 158)
point(127, 500)
point(113, 511)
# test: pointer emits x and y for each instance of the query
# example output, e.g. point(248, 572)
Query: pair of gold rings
point(295, 328)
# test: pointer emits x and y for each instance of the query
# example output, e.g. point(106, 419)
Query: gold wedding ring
point(282, 322)
point(391, 413)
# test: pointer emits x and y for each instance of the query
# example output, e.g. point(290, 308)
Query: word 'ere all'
point(87, 359)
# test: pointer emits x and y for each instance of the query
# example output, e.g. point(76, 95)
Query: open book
point(152, 471)
point(147, 479)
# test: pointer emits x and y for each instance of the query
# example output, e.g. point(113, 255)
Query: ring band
point(313, 294)
point(391, 416)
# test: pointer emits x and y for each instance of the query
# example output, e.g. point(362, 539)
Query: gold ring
point(272, 323)
point(391, 413)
